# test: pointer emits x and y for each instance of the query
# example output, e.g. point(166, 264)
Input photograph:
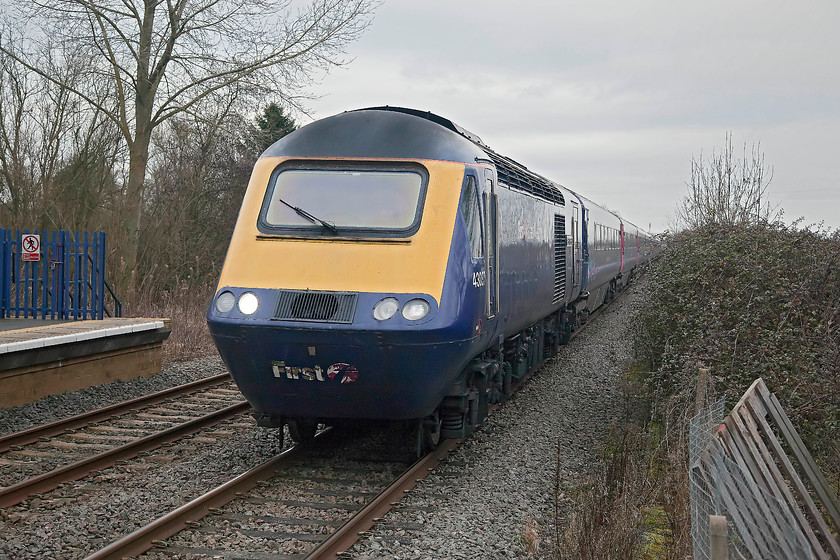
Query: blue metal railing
point(67, 281)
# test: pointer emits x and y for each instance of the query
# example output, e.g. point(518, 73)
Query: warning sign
point(30, 244)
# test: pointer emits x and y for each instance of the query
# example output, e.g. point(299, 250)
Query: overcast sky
point(612, 98)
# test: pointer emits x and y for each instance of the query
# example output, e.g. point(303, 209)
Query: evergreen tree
point(269, 127)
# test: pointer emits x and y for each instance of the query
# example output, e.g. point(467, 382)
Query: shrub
point(748, 302)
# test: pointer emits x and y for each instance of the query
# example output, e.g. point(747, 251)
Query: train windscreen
point(346, 200)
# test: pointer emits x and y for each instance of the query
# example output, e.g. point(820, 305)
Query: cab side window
point(471, 213)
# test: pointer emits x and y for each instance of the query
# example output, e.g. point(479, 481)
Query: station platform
point(47, 357)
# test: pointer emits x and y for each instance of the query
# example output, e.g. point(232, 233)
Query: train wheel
point(428, 433)
point(431, 431)
point(303, 431)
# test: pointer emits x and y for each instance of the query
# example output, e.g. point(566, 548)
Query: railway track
point(310, 502)
point(40, 459)
point(303, 504)
point(307, 502)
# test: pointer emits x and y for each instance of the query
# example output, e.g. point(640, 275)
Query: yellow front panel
point(412, 265)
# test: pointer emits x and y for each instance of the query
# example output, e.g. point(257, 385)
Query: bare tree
point(164, 57)
point(43, 129)
point(196, 181)
point(726, 190)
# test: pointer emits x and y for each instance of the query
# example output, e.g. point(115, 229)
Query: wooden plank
point(759, 467)
point(742, 517)
point(813, 472)
point(723, 436)
point(31, 383)
point(801, 490)
point(785, 494)
point(742, 419)
point(748, 438)
point(738, 444)
point(741, 456)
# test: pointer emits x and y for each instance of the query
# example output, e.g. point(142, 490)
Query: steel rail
point(346, 535)
point(164, 527)
point(16, 493)
point(54, 428)
point(334, 547)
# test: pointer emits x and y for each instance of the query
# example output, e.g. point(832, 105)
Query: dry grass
point(531, 536)
point(672, 480)
point(610, 515)
point(187, 308)
point(636, 503)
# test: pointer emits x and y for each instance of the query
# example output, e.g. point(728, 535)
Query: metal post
point(5, 271)
point(100, 278)
point(62, 273)
point(718, 538)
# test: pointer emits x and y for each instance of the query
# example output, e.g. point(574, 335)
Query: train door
point(491, 241)
point(576, 257)
point(584, 250)
point(638, 250)
point(621, 239)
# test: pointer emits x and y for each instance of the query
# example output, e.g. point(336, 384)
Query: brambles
point(749, 302)
point(743, 302)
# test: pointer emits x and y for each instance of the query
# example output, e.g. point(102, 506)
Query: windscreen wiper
point(315, 220)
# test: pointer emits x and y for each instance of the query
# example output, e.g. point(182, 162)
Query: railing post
point(61, 287)
point(5, 270)
point(718, 538)
point(100, 280)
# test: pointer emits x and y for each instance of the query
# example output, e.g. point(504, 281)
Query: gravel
point(493, 498)
point(49, 409)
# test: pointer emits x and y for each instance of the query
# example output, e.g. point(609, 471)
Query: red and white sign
point(30, 244)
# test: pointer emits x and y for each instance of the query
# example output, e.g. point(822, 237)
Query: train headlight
point(248, 303)
point(416, 309)
point(225, 302)
point(385, 308)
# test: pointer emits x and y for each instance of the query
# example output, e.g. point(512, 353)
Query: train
point(387, 265)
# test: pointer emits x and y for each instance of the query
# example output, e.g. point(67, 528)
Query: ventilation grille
point(559, 258)
point(518, 177)
point(319, 307)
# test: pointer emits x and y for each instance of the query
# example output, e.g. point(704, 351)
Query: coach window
point(471, 212)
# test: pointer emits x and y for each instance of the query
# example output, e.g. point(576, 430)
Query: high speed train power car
point(388, 265)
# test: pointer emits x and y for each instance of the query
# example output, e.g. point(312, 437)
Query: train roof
point(379, 132)
point(403, 133)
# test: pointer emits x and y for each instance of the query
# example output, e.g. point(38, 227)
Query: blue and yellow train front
point(329, 303)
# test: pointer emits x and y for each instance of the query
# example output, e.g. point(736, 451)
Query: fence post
point(718, 538)
point(701, 394)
